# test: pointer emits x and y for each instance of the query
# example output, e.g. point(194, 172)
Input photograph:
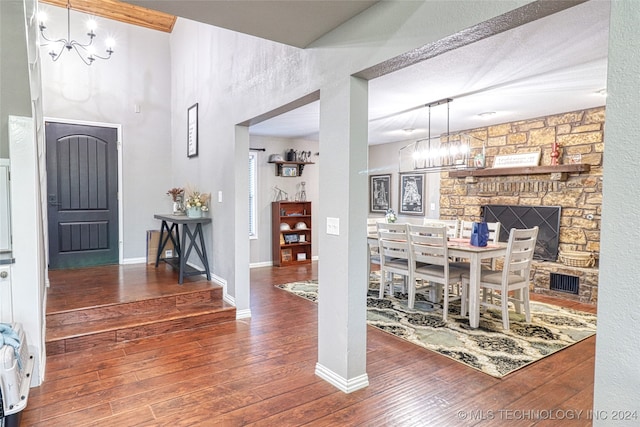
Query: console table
point(192, 238)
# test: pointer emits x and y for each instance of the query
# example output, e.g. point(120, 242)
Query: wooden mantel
point(521, 170)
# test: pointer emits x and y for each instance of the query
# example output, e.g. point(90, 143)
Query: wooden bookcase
point(291, 244)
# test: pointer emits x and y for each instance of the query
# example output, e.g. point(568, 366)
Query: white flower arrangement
point(391, 216)
point(196, 199)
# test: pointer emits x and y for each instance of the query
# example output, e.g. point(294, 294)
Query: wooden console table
point(191, 236)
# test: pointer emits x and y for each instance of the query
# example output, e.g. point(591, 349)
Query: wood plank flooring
point(89, 308)
point(260, 372)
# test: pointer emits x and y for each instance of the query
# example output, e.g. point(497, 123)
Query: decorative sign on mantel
point(517, 160)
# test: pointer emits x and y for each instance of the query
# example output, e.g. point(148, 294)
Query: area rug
point(488, 348)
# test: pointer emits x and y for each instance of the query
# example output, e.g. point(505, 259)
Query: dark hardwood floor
point(260, 371)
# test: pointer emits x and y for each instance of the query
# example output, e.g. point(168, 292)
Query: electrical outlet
point(219, 196)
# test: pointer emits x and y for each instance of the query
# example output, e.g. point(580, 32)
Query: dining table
point(462, 248)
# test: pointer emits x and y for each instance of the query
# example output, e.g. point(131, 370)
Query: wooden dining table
point(462, 248)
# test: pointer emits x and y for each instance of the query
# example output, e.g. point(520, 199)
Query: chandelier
point(444, 152)
point(86, 51)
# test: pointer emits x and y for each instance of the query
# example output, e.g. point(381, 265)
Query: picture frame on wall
point(289, 170)
point(379, 193)
point(192, 130)
point(412, 194)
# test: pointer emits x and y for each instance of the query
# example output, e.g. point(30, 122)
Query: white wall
point(383, 159)
point(267, 180)
point(14, 72)
point(617, 373)
point(107, 92)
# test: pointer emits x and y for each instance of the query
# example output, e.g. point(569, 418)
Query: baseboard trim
point(140, 260)
point(342, 384)
point(261, 264)
point(243, 314)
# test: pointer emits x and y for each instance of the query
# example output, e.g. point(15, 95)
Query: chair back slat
point(372, 225)
point(466, 227)
point(520, 251)
point(392, 241)
point(453, 225)
point(428, 244)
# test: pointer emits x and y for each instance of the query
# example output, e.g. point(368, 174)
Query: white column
point(617, 372)
point(241, 279)
point(342, 269)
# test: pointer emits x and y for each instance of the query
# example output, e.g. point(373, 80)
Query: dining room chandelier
point(443, 152)
point(86, 51)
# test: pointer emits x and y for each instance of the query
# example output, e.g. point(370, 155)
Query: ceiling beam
point(120, 11)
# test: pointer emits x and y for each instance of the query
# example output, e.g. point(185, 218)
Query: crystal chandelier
point(86, 51)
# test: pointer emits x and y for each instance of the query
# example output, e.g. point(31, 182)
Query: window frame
point(253, 196)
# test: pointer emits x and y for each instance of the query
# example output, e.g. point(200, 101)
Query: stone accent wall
point(580, 195)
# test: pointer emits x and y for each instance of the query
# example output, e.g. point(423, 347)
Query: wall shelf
point(290, 169)
point(520, 170)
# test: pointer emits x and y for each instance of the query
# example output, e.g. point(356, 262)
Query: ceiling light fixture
point(85, 51)
point(444, 152)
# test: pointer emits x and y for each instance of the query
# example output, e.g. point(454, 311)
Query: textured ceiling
point(296, 23)
point(553, 65)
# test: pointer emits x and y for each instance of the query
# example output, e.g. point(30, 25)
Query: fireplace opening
point(547, 218)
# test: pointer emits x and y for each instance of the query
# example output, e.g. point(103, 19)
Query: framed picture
point(379, 193)
point(192, 131)
point(291, 238)
point(412, 194)
point(289, 170)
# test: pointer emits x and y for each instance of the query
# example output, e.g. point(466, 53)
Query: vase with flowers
point(196, 203)
point(177, 195)
point(390, 216)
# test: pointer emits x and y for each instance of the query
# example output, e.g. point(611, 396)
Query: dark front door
point(82, 195)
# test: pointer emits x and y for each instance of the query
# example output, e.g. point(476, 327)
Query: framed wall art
point(289, 170)
point(412, 187)
point(192, 131)
point(379, 193)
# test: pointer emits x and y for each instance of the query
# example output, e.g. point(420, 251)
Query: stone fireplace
point(577, 191)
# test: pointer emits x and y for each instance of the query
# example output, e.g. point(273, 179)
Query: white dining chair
point(453, 225)
point(394, 255)
point(372, 250)
point(466, 228)
point(429, 261)
point(514, 276)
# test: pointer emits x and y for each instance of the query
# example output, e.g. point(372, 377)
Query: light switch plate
point(333, 226)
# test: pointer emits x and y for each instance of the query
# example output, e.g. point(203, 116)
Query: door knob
point(3, 274)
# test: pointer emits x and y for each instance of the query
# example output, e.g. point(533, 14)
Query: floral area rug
point(488, 348)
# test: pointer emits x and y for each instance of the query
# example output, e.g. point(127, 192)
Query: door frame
point(118, 128)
